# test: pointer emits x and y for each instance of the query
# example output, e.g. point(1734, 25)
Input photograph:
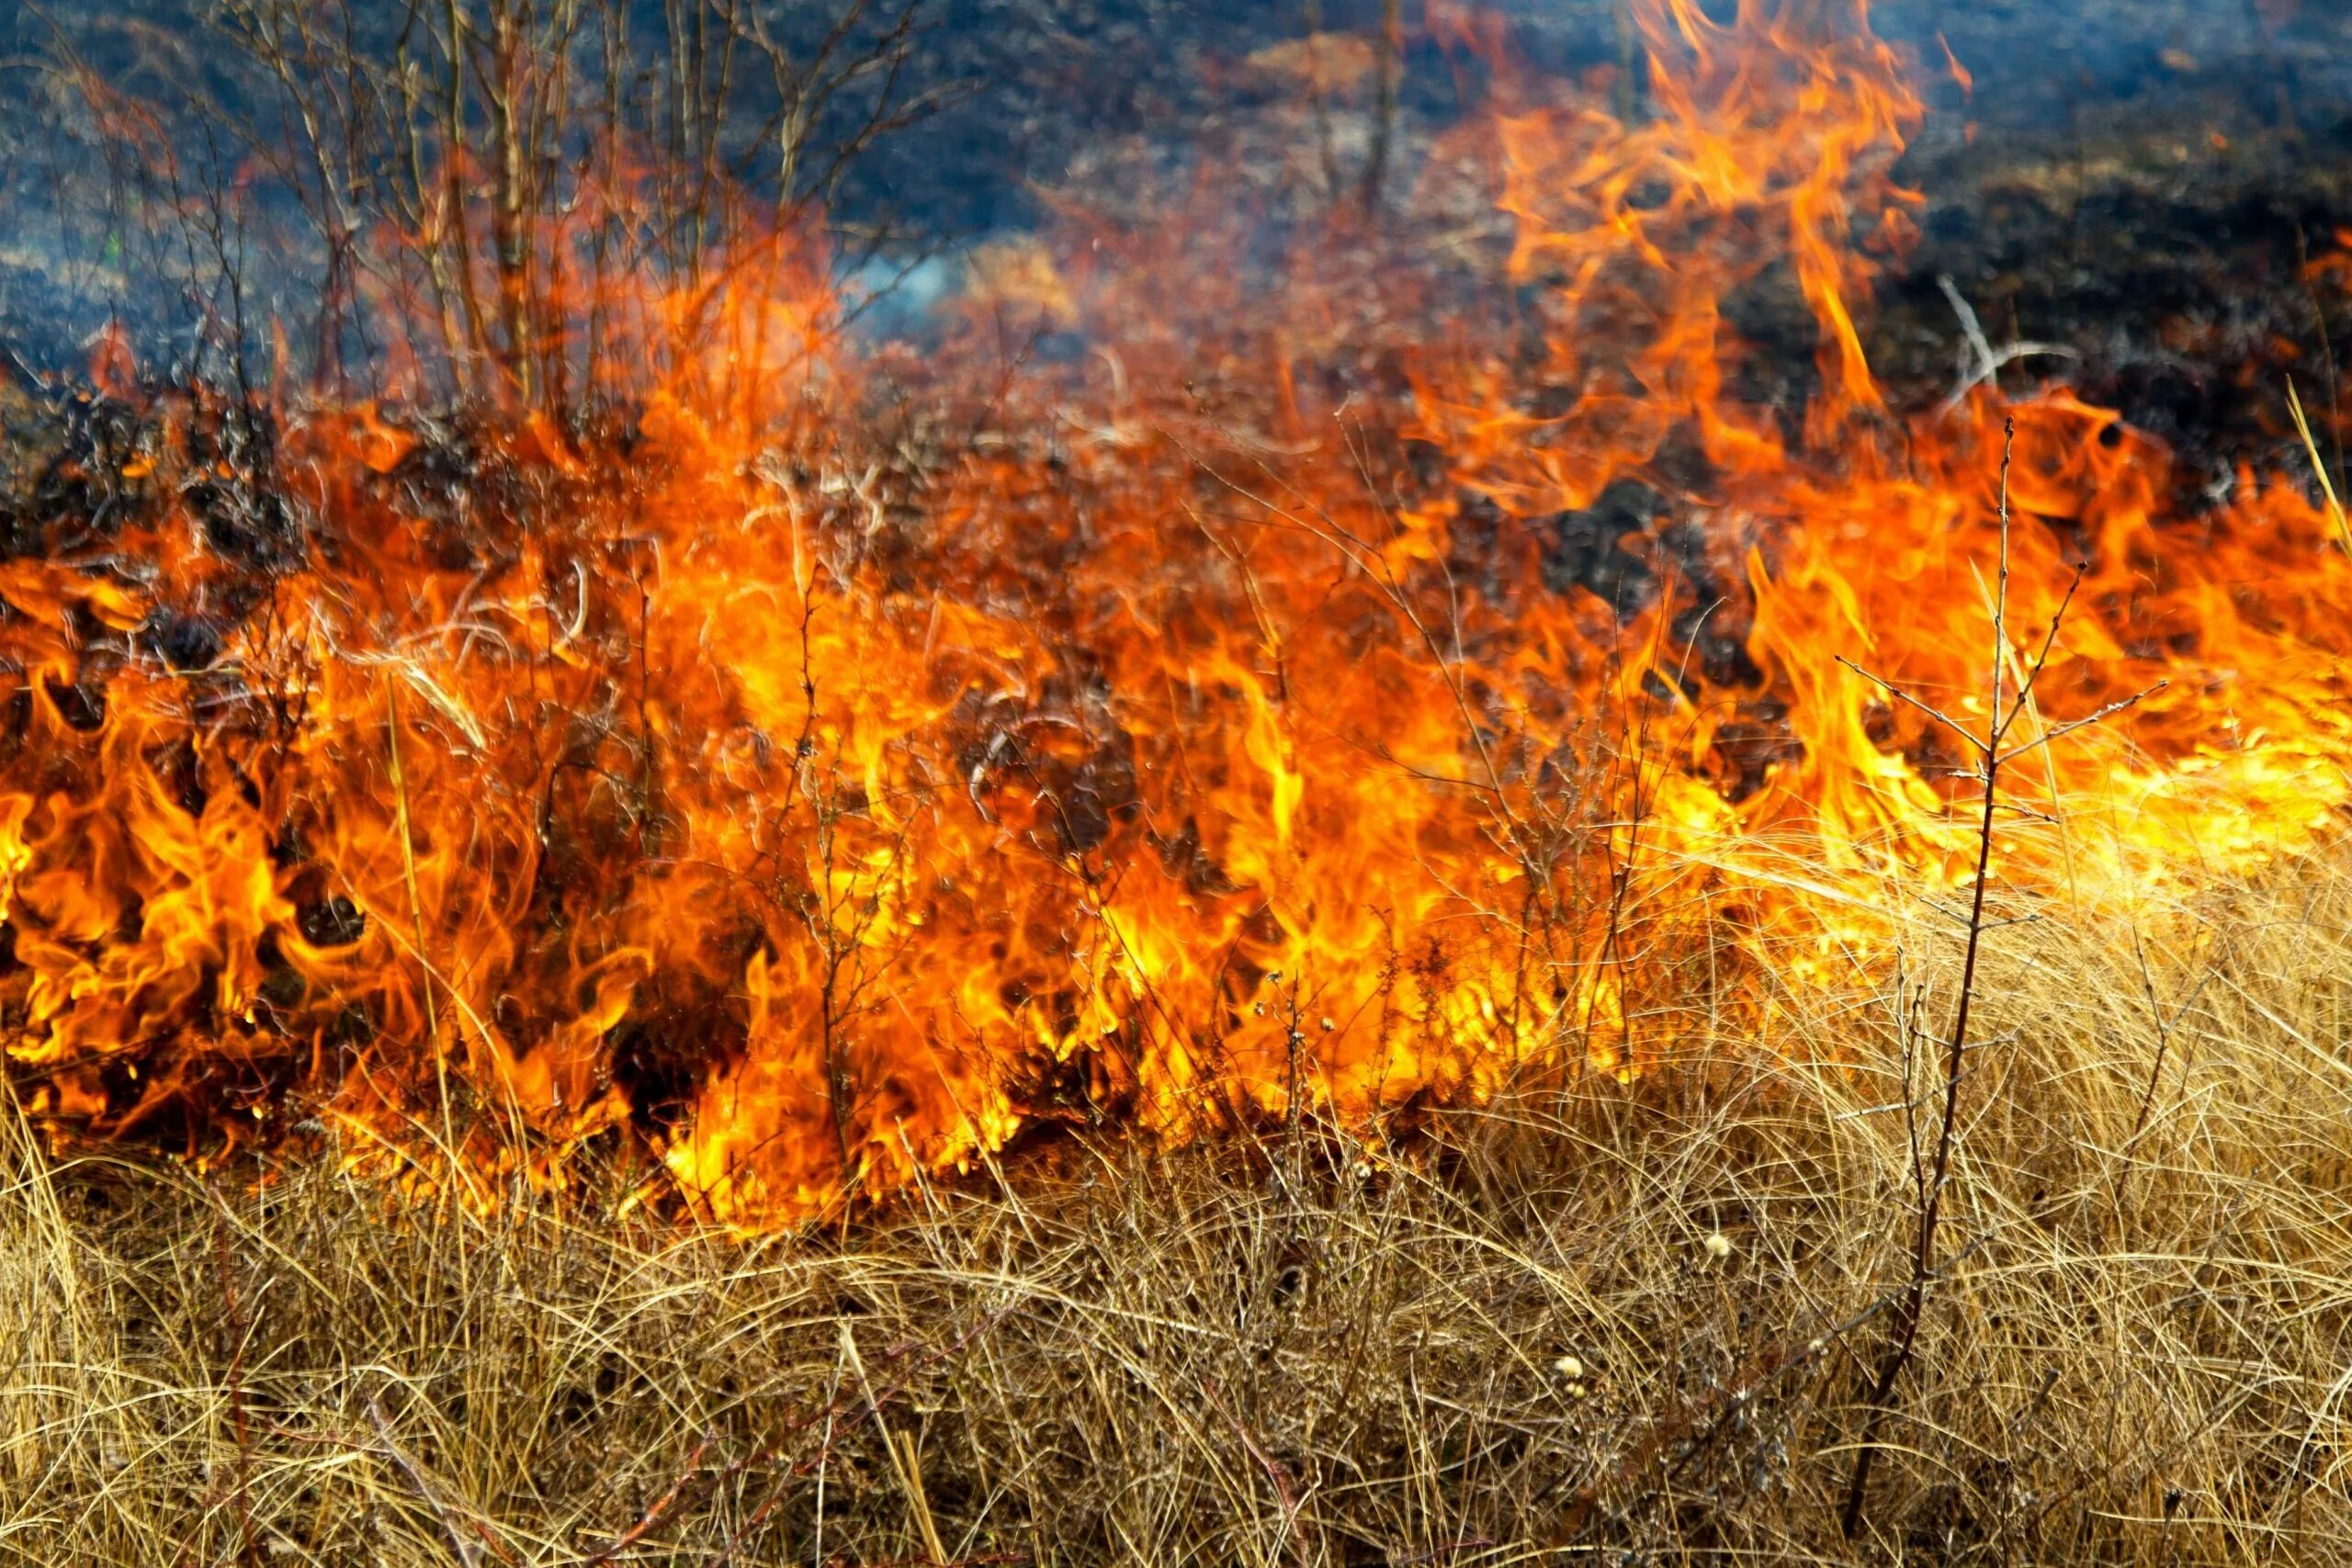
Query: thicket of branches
point(471, 195)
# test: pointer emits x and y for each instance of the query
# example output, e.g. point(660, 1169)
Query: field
point(1489, 809)
point(1629, 1322)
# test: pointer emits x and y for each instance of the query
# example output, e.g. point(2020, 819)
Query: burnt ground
point(2144, 185)
point(2138, 180)
point(2141, 182)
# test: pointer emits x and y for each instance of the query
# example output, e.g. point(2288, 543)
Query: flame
point(1347, 690)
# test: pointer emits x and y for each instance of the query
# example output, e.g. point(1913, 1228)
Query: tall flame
point(1364, 674)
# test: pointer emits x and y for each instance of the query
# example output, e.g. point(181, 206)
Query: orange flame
point(1348, 692)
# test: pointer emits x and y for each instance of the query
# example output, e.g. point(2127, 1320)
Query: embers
point(251, 526)
point(82, 704)
point(185, 640)
point(664, 1051)
point(1751, 745)
point(96, 481)
point(462, 492)
point(1077, 764)
point(1183, 857)
point(1586, 549)
point(331, 921)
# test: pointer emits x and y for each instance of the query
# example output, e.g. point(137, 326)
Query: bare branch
point(2109, 711)
point(1891, 690)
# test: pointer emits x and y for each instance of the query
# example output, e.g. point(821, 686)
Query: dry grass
point(1304, 1349)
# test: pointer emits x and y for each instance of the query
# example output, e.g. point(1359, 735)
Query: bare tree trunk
point(453, 174)
point(1386, 77)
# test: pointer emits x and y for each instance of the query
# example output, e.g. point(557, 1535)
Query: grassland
point(1627, 1322)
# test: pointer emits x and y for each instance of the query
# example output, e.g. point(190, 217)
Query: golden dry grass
point(1620, 1322)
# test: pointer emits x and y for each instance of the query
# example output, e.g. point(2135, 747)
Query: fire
point(1349, 690)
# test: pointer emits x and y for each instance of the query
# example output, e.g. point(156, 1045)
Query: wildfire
point(1358, 677)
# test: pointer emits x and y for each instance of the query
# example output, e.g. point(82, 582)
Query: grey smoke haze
point(1030, 89)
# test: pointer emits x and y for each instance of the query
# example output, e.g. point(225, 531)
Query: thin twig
point(1277, 1476)
point(2326, 484)
point(416, 909)
point(422, 1484)
point(1903, 1339)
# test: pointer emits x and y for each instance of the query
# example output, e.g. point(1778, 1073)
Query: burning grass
point(1381, 896)
point(1590, 1315)
point(1360, 664)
